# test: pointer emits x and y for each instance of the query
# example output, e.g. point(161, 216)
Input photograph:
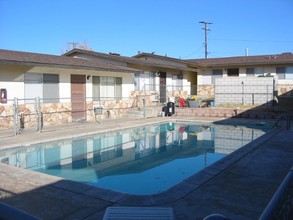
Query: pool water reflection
point(142, 161)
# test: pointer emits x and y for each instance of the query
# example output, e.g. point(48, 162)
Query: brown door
point(78, 97)
point(163, 91)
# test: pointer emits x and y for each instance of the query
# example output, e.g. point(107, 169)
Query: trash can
point(170, 108)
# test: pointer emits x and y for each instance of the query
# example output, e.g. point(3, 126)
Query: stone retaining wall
point(60, 113)
point(53, 114)
point(285, 90)
point(6, 116)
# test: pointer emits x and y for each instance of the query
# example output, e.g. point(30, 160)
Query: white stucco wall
point(64, 87)
point(205, 76)
point(11, 79)
point(14, 89)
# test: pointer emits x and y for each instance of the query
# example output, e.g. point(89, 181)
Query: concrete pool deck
point(240, 186)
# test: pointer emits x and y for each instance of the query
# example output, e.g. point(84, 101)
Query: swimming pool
point(141, 161)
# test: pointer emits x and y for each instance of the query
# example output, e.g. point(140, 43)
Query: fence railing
point(39, 112)
point(36, 113)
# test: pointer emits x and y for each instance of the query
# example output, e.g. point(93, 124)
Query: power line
point(205, 28)
point(247, 40)
point(194, 52)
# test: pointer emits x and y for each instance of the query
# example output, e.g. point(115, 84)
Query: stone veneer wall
point(110, 109)
point(53, 114)
point(177, 93)
point(59, 113)
point(285, 90)
point(56, 113)
point(6, 116)
point(206, 90)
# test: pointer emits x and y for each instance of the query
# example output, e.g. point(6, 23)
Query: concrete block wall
point(226, 113)
point(247, 91)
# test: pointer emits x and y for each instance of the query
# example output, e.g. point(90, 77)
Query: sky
point(166, 27)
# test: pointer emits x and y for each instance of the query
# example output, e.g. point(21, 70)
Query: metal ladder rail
point(287, 118)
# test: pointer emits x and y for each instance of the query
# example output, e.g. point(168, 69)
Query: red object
point(181, 129)
point(181, 102)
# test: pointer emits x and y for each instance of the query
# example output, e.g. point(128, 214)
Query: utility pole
point(205, 36)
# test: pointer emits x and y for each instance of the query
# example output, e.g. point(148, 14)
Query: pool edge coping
point(170, 195)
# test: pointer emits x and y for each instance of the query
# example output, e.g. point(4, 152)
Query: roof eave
point(32, 64)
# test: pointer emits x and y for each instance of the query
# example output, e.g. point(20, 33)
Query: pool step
point(150, 213)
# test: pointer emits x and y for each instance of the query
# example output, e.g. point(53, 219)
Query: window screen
point(177, 82)
point(281, 71)
point(45, 86)
point(249, 71)
point(51, 87)
point(96, 88)
point(33, 86)
point(145, 80)
point(107, 88)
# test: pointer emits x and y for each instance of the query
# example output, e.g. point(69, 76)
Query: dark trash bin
point(170, 108)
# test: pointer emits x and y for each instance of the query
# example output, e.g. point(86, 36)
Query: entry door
point(78, 97)
point(163, 90)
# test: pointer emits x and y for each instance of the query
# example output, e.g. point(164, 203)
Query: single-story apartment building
point(67, 87)
point(164, 76)
point(279, 66)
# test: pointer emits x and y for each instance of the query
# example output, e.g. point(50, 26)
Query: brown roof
point(142, 55)
point(36, 59)
point(277, 59)
point(135, 60)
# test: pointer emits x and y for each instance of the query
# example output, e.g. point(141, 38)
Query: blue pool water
point(142, 161)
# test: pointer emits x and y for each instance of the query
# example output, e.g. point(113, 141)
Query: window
point(177, 82)
point(45, 86)
point(217, 73)
point(96, 88)
point(107, 88)
point(249, 71)
point(145, 80)
point(233, 72)
point(281, 72)
point(51, 87)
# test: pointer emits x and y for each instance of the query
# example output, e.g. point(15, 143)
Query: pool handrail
point(281, 204)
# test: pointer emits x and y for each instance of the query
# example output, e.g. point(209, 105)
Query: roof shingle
point(284, 58)
point(136, 60)
point(8, 56)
